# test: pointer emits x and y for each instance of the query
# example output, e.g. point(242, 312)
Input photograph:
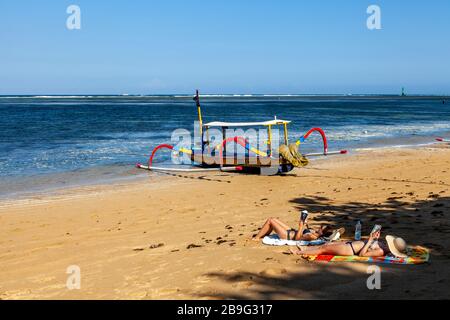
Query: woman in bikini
point(287, 233)
point(370, 248)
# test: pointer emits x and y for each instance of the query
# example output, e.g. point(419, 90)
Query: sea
point(53, 142)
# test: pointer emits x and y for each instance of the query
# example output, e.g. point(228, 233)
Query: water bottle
point(358, 231)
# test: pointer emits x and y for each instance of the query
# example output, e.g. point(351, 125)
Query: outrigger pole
point(329, 153)
point(141, 166)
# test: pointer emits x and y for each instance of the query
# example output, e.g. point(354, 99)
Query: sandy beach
point(187, 236)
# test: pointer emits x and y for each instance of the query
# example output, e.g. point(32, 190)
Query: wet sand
point(187, 236)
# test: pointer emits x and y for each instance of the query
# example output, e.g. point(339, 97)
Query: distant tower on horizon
point(403, 92)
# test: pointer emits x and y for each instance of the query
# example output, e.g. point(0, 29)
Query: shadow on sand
point(420, 222)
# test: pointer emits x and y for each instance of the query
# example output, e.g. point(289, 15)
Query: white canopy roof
point(245, 124)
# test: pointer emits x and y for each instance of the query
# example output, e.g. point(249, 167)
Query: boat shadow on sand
point(420, 222)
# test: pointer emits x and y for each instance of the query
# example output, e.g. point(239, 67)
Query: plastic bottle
point(358, 231)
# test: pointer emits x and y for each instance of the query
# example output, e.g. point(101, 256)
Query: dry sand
point(186, 236)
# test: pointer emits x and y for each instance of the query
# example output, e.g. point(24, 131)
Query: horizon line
point(241, 95)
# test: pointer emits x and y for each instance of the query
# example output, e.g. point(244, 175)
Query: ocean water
point(52, 141)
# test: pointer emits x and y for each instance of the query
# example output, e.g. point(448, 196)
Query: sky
point(224, 46)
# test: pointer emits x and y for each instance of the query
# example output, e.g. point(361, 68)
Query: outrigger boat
point(271, 161)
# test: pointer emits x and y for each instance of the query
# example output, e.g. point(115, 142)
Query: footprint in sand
point(394, 198)
point(154, 246)
point(192, 245)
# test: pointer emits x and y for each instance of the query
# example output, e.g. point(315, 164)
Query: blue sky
point(218, 46)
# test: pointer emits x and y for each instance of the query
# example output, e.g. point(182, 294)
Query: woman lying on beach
point(370, 248)
point(303, 233)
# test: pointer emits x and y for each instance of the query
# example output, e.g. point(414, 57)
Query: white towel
point(274, 240)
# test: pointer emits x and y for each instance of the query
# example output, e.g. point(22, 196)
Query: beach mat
point(416, 255)
point(274, 240)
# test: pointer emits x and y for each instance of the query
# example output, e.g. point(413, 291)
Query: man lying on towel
point(303, 233)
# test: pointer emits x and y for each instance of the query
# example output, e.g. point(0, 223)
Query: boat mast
point(199, 111)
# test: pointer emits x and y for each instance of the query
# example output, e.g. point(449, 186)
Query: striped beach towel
point(416, 255)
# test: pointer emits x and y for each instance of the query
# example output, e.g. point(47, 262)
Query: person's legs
point(308, 251)
point(270, 225)
point(337, 249)
point(265, 230)
point(281, 223)
point(281, 228)
point(335, 243)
